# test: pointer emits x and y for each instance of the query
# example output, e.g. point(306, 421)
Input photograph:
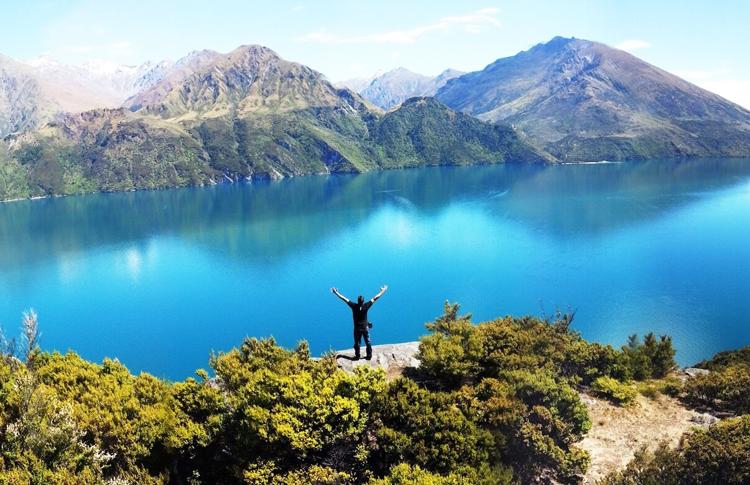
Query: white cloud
point(633, 44)
point(298, 8)
point(472, 23)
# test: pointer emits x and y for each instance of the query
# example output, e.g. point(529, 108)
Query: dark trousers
point(359, 333)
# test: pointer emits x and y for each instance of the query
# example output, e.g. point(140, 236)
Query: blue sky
point(705, 42)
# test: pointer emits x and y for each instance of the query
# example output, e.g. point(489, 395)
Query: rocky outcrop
point(392, 358)
point(694, 372)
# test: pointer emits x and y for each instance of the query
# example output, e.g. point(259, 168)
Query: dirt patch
point(617, 432)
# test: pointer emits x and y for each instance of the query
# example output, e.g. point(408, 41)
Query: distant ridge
point(392, 88)
point(23, 103)
point(33, 92)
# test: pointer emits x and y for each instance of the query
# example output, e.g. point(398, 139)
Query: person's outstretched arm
point(335, 291)
point(382, 290)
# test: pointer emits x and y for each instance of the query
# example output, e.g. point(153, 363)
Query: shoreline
point(36, 197)
point(269, 178)
point(249, 179)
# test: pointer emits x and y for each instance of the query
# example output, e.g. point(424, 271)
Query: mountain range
point(392, 88)
point(33, 92)
point(249, 113)
point(244, 114)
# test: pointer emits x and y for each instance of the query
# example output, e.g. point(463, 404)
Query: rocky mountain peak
point(586, 100)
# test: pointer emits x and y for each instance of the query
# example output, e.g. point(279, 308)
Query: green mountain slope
point(425, 132)
point(583, 100)
point(106, 150)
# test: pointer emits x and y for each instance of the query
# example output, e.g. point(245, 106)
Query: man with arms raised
point(359, 315)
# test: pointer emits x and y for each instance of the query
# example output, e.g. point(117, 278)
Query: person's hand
point(334, 290)
point(383, 288)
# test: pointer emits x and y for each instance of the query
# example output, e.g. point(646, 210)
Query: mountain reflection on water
point(160, 278)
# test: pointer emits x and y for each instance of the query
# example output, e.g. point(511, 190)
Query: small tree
point(654, 358)
point(636, 358)
point(450, 355)
point(31, 336)
point(563, 321)
point(663, 359)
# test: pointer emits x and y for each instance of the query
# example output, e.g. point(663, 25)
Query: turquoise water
point(160, 279)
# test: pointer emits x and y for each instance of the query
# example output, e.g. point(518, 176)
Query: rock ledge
point(392, 358)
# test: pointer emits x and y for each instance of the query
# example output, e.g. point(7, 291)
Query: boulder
point(694, 371)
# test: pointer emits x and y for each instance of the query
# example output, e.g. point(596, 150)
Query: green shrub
point(648, 468)
point(516, 374)
point(614, 390)
point(404, 474)
point(726, 359)
point(427, 429)
point(534, 419)
point(720, 454)
point(671, 386)
point(269, 474)
point(649, 389)
point(451, 355)
point(591, 360)
point(285, 408)
point(458, 352)
point(727, 389)
point(133, 418)
point(652, 388)
point(493, 403)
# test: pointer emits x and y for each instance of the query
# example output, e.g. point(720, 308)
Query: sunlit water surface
point(160, 279)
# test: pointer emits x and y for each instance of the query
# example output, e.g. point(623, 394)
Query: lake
point(160, 279)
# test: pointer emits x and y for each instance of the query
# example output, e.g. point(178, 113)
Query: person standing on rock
point(359, 315)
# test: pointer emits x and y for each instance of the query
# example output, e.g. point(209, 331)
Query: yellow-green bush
point(405, 474)
point(725, 389)
point(493, 403)
point(614, 390)
point(516, 375)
